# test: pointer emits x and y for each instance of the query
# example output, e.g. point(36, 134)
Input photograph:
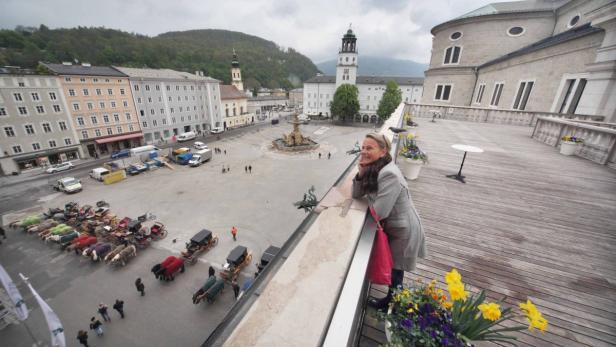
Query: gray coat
point(392, 202)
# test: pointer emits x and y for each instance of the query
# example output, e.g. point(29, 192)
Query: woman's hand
point(362, 169)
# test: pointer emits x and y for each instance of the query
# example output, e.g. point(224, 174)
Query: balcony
point(529, 223)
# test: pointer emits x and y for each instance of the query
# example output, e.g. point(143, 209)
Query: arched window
point(452, 55)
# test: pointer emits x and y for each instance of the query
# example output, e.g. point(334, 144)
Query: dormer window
point(452, 55)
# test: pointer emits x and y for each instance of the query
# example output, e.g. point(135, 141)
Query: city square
point(186, 200)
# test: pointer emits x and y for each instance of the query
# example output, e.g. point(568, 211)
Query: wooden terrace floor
point(529, 222)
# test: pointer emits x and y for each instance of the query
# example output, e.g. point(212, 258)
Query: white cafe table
point(466, 149)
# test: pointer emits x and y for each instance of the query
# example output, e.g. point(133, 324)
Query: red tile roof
point(230, 92)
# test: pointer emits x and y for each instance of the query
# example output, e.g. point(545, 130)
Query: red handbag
point(381, 261)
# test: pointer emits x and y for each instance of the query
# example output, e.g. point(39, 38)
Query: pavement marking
point(321, 131)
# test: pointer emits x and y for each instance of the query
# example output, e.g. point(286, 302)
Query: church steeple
point(346, 68)
point(236, 73)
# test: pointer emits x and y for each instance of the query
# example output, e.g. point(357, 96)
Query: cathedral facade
point(319, 91)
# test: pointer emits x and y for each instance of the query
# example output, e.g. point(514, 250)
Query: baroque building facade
point(170, 102)
point(318, 92)
point(36, 127)
point(539, 55)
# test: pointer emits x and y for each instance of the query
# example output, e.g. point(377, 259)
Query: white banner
point(20, 305)
point(55, 326)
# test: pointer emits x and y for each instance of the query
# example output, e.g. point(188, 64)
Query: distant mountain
point(379, 66)
point(263, 63)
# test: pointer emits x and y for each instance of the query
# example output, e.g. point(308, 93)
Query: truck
point(200, 157)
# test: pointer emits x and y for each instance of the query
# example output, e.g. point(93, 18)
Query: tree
point(346, 102)
point(392, 97)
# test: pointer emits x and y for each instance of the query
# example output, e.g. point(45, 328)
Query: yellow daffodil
point(453, 277)
point(457, 292)
point(490, 311)
point(534, 317)
point(447, 305)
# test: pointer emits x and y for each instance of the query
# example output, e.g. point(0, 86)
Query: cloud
point(394, 28)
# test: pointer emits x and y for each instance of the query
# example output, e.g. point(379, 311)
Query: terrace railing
point(490, 115)
point(599, 138)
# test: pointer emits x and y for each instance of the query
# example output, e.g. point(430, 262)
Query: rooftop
point(230, 92)
point(83, 70)
point(160, 74)
point(403, 81)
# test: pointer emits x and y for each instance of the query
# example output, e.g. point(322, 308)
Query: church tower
point(236, 73)
point(346, 68)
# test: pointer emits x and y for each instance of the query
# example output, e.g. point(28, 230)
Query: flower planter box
point(410, 168)
point(568, 147)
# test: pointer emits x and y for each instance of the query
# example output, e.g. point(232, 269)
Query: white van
point(137, 151)
point(200, 157)
point(99, 173)
point(217, 130)
point(187, 136)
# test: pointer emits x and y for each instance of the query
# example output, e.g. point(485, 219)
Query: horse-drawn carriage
point(201, 242)
point(237, 259)
point(97, 250)
point(158, 231)
point(267, 257)
point(168, 268)
point(210, 289)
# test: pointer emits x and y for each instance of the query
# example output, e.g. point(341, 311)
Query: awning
point(118, 138)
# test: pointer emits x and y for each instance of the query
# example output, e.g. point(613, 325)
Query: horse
point(113, 253)
point(124, 255)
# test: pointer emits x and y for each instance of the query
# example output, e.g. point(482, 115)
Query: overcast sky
point(394, 28)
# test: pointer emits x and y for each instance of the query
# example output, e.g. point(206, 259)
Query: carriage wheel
point(163, 234)
point(193, 260)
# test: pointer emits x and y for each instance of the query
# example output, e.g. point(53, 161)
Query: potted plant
point(424, 315)
point(412, 157)
point(569, 144)
point(409, 120)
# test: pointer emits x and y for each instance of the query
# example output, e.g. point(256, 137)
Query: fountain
point(295, 141)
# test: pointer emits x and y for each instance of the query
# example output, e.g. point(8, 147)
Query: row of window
point(443, 92)
point(37, 146)
point(101, 105)
point(23, 110)
point(85, 134)
point(98, 91)
point(157, 87)
point(94, 120)
point(171, 110)
point(84, 80)
point(170, 99)
point(145, 124)
point(34, 96)
point(29, 129)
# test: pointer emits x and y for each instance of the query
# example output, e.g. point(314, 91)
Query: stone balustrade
point(490, 115)
point(599, 139)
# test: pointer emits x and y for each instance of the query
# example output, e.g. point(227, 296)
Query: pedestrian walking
point(97, 326)
point(102, 309)
point(3, 234)
point(211, 271)
point(228, 168)
point(319, 155)
point(82, 336)
point(236, 288)
point(140, 286)
point(329, 155)
point(250, 168)
point(246, 169)
point(234, 233)
point(119, 306)
point(223, 169)
point(225, 152)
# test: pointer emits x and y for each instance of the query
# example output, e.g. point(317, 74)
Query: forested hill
point(263, 63)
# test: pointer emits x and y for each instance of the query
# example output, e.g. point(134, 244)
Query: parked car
point(99, 173)
point(200, 145)
point(60, 167)
point(135, 169)
point(68, 185)
point(123, 153)
point(187, 136)
point(196, 160)
point(217, 130)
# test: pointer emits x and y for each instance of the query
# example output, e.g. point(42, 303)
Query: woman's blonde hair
point(382, 140)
